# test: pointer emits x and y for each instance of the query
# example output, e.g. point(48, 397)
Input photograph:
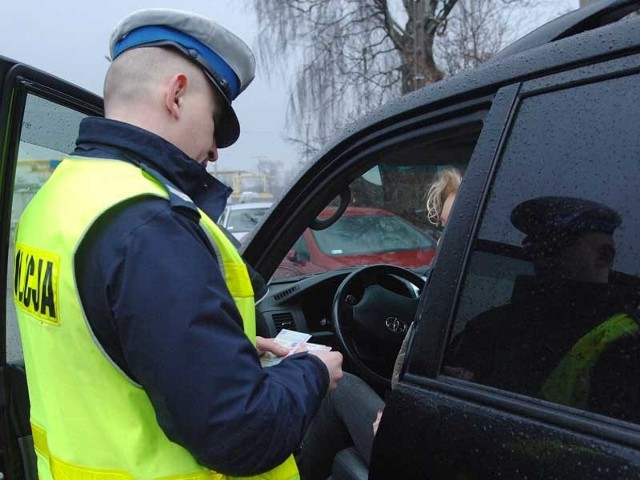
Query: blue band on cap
point(158, 34)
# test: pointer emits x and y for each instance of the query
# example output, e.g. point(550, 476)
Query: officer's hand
point(264, 345)
point(333, 362)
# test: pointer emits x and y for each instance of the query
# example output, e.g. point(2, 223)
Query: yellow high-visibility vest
point(570, 381)
point(89, 420)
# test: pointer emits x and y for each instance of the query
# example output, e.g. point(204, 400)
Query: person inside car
point(569, 335)
point(141, 354)
point(442, 194)
point(440, 198)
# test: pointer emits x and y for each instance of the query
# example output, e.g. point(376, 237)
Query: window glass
point(550, 298)
point(301, 249)
point(48, 133)
point(387, 219)
point(368, 232)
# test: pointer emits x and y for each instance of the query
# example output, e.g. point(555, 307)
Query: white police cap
point(225, 58)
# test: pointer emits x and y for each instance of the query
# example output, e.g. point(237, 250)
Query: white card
point(292, 340)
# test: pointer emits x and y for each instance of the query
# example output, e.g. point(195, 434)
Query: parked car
point(240, 218)
point(361, 236)
point(556, 113)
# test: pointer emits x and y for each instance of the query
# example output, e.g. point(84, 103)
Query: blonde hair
point(447, 182)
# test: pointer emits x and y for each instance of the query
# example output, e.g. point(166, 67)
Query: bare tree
point(272, 171)
point(474, 32)
point(355, 55)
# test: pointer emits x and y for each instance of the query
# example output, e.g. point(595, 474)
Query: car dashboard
point(304, 304)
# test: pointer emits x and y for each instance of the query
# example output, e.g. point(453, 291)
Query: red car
point(361, 236)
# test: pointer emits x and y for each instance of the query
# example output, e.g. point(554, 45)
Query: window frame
point(441, 300)
point(327, 176)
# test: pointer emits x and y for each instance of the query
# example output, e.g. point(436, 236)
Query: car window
point(370, 233)
point(301, 250)
point(387, 219)
point(48, 133)
point(549, 305)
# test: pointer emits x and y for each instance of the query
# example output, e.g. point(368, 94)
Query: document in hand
point(292, 341)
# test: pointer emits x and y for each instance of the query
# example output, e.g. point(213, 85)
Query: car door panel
point(439, 426)
point(449, 436)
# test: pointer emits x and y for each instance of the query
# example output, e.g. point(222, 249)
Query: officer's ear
point(174, 94)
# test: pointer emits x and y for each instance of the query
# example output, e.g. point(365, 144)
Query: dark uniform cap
point(551, 223)
point(227, 60)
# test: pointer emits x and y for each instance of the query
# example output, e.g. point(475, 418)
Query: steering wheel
point(372, 310)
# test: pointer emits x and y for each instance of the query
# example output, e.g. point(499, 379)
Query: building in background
point(247, 186)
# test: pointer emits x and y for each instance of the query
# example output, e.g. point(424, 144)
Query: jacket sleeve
point(181, 338)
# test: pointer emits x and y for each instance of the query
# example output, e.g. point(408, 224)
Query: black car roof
point(587, 18)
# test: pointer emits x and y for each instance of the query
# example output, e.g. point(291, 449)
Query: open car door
point(39, 119)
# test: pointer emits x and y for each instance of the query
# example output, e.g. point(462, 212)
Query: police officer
point(136, 312)
point(568, 336)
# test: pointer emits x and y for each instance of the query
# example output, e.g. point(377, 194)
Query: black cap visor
point(227, 126)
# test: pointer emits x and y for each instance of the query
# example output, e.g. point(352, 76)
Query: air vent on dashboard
point(283, 320)
point(285, 293)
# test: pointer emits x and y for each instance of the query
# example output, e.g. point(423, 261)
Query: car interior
point(336, 305)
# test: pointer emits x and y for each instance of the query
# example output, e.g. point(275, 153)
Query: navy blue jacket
point(156, 301)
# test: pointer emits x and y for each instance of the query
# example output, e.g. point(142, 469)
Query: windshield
point(368, 234)
point(245, 220)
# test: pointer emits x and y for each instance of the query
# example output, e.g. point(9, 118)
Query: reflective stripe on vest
point(89, 420)
point(570, 381)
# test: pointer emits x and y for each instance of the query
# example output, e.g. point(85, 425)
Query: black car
point(557, 114)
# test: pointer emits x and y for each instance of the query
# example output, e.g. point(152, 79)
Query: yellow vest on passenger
point(89, 420)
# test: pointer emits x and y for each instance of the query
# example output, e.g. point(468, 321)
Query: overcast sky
point(69, 38)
